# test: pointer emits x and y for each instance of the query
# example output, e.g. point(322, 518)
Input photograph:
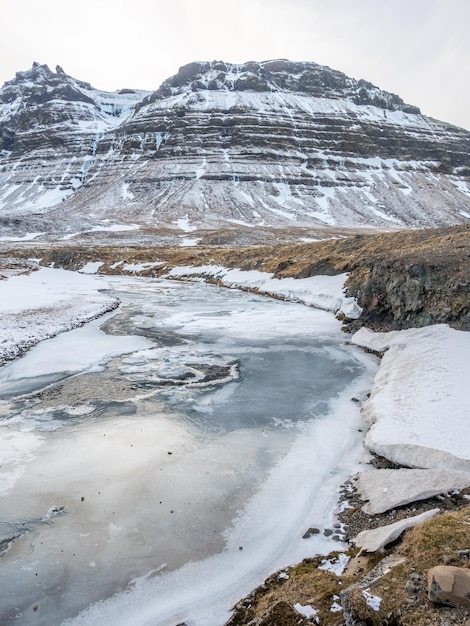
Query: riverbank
point(399, 280)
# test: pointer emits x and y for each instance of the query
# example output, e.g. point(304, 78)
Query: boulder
point(449, 585)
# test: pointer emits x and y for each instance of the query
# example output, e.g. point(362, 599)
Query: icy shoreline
point(321, 292)
point(44, 303)
point(415, 413)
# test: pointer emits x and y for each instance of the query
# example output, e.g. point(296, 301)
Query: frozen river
point(176, 449)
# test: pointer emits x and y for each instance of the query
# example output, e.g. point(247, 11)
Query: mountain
point(50, 127)
point(276, 143)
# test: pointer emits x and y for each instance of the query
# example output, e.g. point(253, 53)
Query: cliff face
point(417, 287)
point(259, 144)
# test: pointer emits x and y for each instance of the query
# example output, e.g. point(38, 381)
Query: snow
point(188, 242)
point(91, 268)
point(137, 267)
point(377, 538)
point(371, 600)
point(126, 194)
point(418, 407)
point(27, 237)
point(105, 228)
point(335, 607)
point(76, 350)
point(386, 489)
point(323, 292)
point(47, 301)
point(305, 610)
point(336, 565)
point(183, 224)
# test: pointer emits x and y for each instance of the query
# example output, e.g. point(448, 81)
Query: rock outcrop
point(276, 143)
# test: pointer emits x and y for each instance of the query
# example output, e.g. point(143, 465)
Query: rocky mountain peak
point(279, 75)
point(40, 84)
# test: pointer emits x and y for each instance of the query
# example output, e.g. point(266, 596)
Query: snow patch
point(418, 405)
point(305, 610)
point(371, 600)
point(43, 303)
point(91, 268)
point(183, 224)
point(336, 565)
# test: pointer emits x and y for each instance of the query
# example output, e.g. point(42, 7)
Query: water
point(147, 440)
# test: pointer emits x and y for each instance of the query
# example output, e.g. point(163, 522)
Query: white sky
point(419, 49)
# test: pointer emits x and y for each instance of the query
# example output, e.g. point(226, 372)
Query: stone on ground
point(449, 585)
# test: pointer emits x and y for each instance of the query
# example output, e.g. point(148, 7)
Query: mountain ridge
point(261, 144)
point(277, 75)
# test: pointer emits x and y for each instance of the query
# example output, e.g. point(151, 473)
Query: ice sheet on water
point(76, 350)
point(252, 484)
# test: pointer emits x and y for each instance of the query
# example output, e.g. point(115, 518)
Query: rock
point(387, 489)
point(373, 540)
point(448, 559)
point(464, 555)
point(310, 532)
point(410, 587)
point(449, 586)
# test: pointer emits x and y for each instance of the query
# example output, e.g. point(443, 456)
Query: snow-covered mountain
point(276, 143)
point(50, 127)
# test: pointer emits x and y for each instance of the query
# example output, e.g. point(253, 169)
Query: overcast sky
point(419, 49)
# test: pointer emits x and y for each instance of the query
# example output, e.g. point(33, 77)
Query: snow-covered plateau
point(158, 463)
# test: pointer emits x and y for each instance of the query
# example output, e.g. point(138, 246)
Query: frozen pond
point(177, 448)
